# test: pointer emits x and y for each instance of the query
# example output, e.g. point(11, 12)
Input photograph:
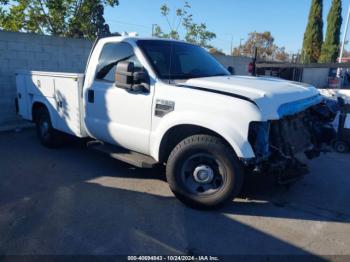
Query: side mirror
point(127, 78)
point(124, 75)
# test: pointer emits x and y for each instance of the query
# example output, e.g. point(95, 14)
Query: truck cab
point(152, 101)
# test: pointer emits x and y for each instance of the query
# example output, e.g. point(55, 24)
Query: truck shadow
point(85, 218)
point(50, 204)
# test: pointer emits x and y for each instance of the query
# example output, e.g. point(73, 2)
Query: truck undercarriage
point(279, 145)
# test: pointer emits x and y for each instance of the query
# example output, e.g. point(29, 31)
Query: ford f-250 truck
point(154, 101)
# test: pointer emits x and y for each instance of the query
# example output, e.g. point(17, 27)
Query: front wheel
point(203, 172)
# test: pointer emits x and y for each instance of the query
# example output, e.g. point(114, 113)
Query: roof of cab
point(134, 39)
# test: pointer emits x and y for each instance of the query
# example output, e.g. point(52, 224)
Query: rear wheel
point(203, 172)
point(47, 135)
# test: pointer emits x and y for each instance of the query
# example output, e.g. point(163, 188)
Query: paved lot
point(76, 201)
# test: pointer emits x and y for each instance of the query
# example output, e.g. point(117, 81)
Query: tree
point(266, 49)
point(313, 36)
point(215, 51)
point(330, 47)
point(281, 54)
point(72, 18)
point(194, 33)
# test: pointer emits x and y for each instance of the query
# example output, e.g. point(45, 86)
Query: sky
point(231, 20)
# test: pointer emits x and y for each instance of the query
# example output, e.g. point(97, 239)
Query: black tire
point(203, 172)
point(48, 136)
point(341, 147)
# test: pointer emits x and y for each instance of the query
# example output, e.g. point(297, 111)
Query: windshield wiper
point(216, 75)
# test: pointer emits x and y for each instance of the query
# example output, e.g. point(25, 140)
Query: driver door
point(116, 115)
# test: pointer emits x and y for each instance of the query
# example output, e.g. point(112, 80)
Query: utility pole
point(343, 43)
point(240, 45)
point(255, 57)
point(153, 28)
point(231, 45)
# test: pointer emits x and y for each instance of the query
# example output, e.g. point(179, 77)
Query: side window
point(111, 55)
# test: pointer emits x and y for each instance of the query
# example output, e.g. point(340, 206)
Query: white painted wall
point(316, 76)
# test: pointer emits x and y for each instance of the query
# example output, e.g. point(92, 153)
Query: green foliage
point(72, 18)
point(215, 51)
point(330, 47)
point(266, 49)
point(194, 33)
point(313, 36)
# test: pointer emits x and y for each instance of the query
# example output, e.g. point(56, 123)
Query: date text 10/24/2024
point(173, 258)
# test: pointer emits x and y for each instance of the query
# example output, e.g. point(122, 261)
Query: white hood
point(267, 92)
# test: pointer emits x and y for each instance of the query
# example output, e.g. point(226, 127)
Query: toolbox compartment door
point(41, 85)
point(68, 101)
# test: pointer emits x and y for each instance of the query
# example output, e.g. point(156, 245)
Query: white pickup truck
point(154, 101)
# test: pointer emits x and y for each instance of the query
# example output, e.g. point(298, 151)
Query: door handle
point(91, 96)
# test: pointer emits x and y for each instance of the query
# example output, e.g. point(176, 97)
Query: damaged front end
point(280, 144)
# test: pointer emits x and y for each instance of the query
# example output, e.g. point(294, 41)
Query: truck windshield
point(180, 61)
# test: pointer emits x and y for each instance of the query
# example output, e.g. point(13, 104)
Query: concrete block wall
point(35, 52)
point(239, 63)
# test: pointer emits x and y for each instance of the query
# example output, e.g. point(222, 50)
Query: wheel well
point(178, 133)
point(35, 108)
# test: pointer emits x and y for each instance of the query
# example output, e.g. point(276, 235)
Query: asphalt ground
point(75, 201)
